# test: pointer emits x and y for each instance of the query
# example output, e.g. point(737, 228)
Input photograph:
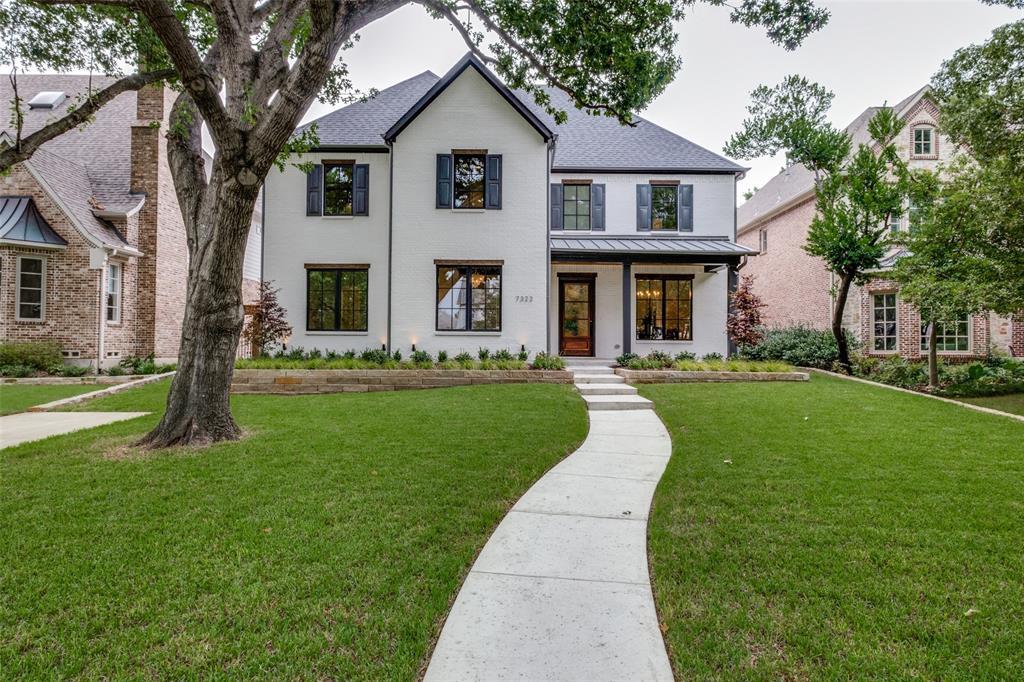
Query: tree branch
point(24, 148)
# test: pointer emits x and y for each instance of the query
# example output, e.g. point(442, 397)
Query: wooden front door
point(576, 315)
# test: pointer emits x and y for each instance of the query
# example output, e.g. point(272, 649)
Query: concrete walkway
point(561, 591)
point(28, 426)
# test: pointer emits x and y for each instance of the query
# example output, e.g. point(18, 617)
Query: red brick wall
point(1017, 342)
point(794, 285)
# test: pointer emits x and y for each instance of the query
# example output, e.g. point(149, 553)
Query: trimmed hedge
point(40, 356)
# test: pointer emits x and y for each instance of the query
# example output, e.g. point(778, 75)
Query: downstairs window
point(664, 308)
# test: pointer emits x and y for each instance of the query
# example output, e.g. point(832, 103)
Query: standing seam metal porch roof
point(685, 246)
point(20, 222)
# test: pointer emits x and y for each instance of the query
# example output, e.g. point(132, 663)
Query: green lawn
point(20, 397)
point(833, 530)
point(1013, 403)
point(327, 545)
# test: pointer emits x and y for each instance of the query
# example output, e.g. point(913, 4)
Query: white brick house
point(452, 213)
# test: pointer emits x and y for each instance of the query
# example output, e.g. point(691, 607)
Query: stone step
point(605, 389)
point(598, 379)
point(591, 370)
point(617, 402)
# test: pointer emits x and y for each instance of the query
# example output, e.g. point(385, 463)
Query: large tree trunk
point(933, 356)
point(845, 282)
point(198, 405)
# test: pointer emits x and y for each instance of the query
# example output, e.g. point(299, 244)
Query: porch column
point(627, 306)
point(733, 284)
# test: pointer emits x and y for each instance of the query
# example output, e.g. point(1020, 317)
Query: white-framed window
point(762, 238)
point(114, 293)
point(950, 337)
point(31, 289)
point(884, 325)
point(924, 141)
point(895, 221)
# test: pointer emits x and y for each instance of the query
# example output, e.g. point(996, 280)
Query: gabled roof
point(468, 61)
point(795, 182)
point(20, 222)
point(584, 142)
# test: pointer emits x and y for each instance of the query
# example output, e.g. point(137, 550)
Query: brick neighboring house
point(797, 287)
point(92, 243)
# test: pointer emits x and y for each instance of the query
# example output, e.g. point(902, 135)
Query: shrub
point(349, 354)
point(796, 345)
point(163, 369)
point(314, 354)
point(660, 357)
point(116, 371)
point(654, 360)
point(397, 355)
point(442, 356)
point(465, 360)
point(17, 371)
point(268, 325)
point(744, 322)
point(503, 355)
point(375, 356)
point(712, 357)
point(483, 354)
point(136, 365)
point(624, 359)
point(37, 355)
point(544, 361)
point(71, 371)
point(422, 358)
point(523, 356)
point(685, 355)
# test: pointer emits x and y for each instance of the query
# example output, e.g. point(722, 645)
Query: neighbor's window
point(338, 189)
point(924, 145)
point(336, 300)
point(664, 207)
point(31, 294)
point(895, 220)
point(664, 308)
point(884, 330)
point(113, 292)
point(954, 335)
point(763, 239)
point(576, 207)
point(469, 180)
point(468, 298)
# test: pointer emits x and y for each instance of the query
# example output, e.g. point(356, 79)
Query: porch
point(612, 295)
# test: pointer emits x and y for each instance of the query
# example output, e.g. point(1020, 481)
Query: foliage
point(800, 346)
point(483, 353)
point(994, 376)
point(268, 325)
point(523, 355)
point(503, 354)
point(422, 357)
point(63, 370)
point(136, 365)
point(624, 359)
point(465, 360)
point(719, 365)
point(38, 355)
point(116, 371)
point(712, 357)
point(744, 322)
point(550, 362)
point(375, 358)
point(17, 371)
point(857, 190)
point(684, 355)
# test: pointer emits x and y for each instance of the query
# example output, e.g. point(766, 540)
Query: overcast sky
point(870, 52)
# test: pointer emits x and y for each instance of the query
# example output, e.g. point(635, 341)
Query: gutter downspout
point(391, 221)
point(101, 325)
point(547, 248)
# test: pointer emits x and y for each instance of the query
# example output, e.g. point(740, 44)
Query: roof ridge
point(371, 98)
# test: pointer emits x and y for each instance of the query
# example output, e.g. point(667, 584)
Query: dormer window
point(924, 141)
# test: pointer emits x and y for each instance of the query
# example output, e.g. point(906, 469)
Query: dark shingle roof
point(88, 167)
point(584, 142)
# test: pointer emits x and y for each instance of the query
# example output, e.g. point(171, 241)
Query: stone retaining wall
point(101, 380)
point(286, 381)
point(670, 376)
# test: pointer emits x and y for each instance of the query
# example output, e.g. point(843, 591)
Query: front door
point(576, 315)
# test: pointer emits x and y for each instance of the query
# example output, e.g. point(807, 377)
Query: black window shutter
point(444, 181)
point(314, 190)
point(361, 189)
point(556, 206)
point(597, 208)
point(492, 181)
point(643, 208)
point(686, 208)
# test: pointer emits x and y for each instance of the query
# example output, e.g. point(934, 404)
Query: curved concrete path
point(561, 591)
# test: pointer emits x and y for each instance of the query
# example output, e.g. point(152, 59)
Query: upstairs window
point(664, 207)
point(338, 189)
point(468, 298)
point(114, 293)
point(31, 293)
point(951, 336)
point(336, 299)
point(924, 143)
point(762, 236)
point(576, 206)
point(469, 180)
point(895, 220)
point(884, 322)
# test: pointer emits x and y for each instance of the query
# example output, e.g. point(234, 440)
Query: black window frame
point(339, 300)
point(662, 278)
point(467, 270)
point(674, 191)
point(351, 166)
point(482, 156)
point(576, 202)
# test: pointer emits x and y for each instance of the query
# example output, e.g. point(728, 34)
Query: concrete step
point(605, 389)
point(591, 370)
point(598, 379)
point(617, 402)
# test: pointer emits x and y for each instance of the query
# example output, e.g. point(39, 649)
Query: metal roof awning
point(663, 249)
point(21, 223)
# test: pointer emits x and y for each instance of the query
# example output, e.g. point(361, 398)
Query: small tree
point(268, 327)
point(857, 191)
point(744, 323)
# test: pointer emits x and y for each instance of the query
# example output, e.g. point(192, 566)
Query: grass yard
point(1013, 403)
point(20, 397)
point(327, 545)
point(833, 530)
